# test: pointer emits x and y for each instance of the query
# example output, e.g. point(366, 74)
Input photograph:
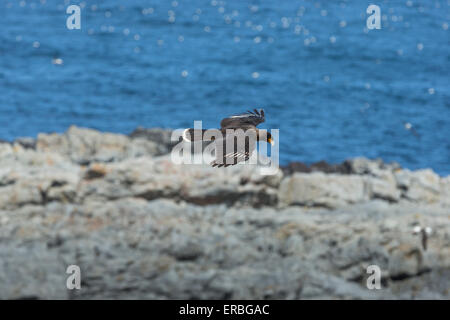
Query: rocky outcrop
point(334, 190)
point(84, 146)
point(133, 248)
point(319, 189)
point(353, 166)
point(140, 226)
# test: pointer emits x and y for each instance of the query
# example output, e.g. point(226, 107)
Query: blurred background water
point(334, 89)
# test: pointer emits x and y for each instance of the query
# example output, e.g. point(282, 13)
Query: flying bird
point(409, 127)
point(232, 130)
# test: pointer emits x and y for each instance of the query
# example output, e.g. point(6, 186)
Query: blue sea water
point(334, 89)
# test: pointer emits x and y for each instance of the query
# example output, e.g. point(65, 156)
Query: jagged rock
point(361, 165)
point(152, 178)
point(403, 178)
point(162, 137)
point(26, 142)
point(296, 167)
point(271, 180)
point(420, 185)
point(140, 226)
point(406, 261)
point(445, 189)
point(318, 189)
point(95, 171)
point(37, 186)
point(358, 166)
point(31, 271)
point(5, 150)
point(83, 145)
point(384, 187)
point(18, 194)
point(14, 156)
point(133, 248)
point(140, 147)
point(365, 166)
point(323, 166)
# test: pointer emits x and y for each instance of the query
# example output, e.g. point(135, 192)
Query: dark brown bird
point(236, 139)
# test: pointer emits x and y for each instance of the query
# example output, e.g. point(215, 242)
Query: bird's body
point(410, 127)
point(236, 139)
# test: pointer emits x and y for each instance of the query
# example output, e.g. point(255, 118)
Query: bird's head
point(270, 139)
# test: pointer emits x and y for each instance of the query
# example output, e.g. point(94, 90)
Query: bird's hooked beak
point(270, 140)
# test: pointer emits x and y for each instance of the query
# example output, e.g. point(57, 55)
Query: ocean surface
point(335, 89)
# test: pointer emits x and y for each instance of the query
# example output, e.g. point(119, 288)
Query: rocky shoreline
point(140, 226)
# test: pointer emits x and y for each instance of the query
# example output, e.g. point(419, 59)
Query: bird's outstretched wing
point(226, 156)
point(250, 119)
point(231, 159)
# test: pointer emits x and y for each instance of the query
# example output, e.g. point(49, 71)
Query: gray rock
point(445, 190)
point(132, 248)
point(5, 150)
point(405, 261)
point(26, 142)
point(31, 271)
point(161, 137)
point(318, 189)
point(365, 166)
point(420, 185)
point(384, 187)
point(84, 146)
point(142, 227)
